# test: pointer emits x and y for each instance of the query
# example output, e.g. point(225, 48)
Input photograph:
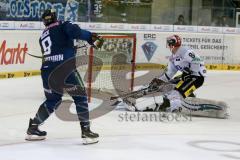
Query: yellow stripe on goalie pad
point(190, 90)
point(179, 84)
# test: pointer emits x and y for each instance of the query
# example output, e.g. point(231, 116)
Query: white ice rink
point(201, 138)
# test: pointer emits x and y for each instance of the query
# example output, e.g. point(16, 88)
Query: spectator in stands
point(180, 20)
point(216, 21)
point(224, 21)
point(220, 21)
point(202, 22)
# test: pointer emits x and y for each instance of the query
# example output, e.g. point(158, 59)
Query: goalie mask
point(49, 17)
point(174, 41)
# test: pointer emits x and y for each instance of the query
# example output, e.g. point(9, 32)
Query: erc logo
point(149, 49)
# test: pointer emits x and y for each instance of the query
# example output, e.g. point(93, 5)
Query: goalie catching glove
point(156, 82)
point(97, 41)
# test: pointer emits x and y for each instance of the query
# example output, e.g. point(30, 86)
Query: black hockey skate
point(166, 104)
point(88, 136)
point(33, 133)
point(163, 107)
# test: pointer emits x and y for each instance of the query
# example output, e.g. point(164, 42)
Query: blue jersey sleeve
point(75, 32)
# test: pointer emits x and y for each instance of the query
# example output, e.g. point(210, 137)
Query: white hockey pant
point(175, 99)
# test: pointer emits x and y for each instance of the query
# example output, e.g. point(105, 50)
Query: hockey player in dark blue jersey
point(57, 45)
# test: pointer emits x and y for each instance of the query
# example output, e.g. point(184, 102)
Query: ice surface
point(201, 138)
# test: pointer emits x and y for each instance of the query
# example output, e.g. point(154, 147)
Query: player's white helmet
point(174, 41)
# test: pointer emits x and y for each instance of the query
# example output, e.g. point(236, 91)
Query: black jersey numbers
point(192, 55)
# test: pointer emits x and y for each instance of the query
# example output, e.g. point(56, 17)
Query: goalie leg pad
point(205, 107)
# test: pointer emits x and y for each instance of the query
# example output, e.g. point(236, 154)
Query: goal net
point(110, 68)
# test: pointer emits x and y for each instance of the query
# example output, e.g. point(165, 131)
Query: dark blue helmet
point(49, 16)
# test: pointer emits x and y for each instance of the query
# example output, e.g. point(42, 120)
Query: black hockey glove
point(156, 82)
point(97, 41)
point(186, 74)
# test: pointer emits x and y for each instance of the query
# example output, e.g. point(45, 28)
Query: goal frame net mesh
point(110, 68)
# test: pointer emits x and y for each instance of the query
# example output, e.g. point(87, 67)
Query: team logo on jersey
point(149, 49)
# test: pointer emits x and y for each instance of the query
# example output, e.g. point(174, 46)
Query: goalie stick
point(163, 89)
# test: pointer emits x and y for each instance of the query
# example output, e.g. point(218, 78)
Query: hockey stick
point(35, 56)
